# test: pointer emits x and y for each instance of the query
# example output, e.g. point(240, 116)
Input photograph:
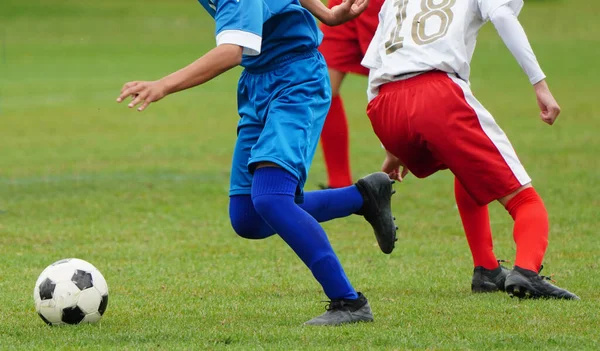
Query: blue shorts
point(282, 110)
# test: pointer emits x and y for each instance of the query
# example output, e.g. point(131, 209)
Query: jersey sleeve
point(488, 7)
point(240, 22)
point(512, 33)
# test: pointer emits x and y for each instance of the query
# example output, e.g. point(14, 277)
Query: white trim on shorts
point(494, 132)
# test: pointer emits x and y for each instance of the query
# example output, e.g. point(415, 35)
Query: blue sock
point(273, 191)
point(246, 222)
point(323, 205)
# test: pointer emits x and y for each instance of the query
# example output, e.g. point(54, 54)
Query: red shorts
point(344, 46)
point(433, 122)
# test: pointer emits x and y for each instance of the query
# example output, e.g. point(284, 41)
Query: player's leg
point(531, 226)
point(530, 234)
point(323, 205)
point(368, 196)
point(487, 165)
point(343, 54)
point(281, 160)
point(461, 135)
point(476, 222)
point(273, 194)
point(272, 191)
point(335, 140)
point(488, 274)
point(245, 220)
point(375, 191)
point(392, 123)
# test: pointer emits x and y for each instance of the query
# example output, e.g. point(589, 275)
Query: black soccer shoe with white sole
point(526, 284)
point(489, 280)
point(344, 311)
point(376, 190)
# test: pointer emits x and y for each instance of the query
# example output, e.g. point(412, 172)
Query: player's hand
point(347, 10)
point(548, 105)
point(391, 166)
point(142, 93)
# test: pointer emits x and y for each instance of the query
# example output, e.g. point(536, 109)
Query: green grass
point(144, 196)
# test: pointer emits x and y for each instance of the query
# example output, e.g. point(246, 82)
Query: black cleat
point(488, 280)
point(526, 284)
point(376, 190)
point(345, 311)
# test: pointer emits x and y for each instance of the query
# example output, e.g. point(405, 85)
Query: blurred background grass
point(143, 196)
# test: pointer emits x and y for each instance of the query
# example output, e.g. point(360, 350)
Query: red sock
point(334, 140)
point(476, 222)
point(531, 228)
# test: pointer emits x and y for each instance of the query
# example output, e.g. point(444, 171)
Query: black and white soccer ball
point(70, 291)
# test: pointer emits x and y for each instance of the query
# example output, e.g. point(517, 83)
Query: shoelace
point(545, 277)
point(334, 304)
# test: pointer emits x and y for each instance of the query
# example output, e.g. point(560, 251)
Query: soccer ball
point(70, 291)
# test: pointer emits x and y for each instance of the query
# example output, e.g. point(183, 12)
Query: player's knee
point(506, 199)
point(246, 222)
point(247, 227)
point(241, 227)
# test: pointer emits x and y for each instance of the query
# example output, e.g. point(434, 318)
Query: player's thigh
point(294, 117)
point(248, 132)
point(343, 55)
point(336, 78)
point(477, 150)
point(240, 178)
point(391, 123)
point(341, 48)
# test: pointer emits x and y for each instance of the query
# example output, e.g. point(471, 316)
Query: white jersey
point(415, 36)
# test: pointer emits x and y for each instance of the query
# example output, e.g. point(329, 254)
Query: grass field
point(144, 196)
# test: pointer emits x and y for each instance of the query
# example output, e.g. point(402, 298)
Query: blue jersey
point(266, 29)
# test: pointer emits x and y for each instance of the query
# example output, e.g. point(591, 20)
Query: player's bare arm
point(339, 14)
point(217, 61)
point(514, 37)
point(548, 106)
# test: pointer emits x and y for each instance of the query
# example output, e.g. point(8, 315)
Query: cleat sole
point(520, 292)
